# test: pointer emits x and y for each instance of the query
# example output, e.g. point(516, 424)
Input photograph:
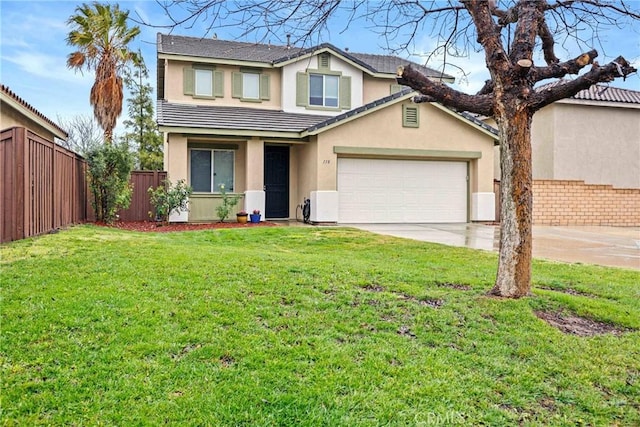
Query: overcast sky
point(33, 53)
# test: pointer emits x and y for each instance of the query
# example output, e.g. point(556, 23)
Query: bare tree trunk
point(516, 194)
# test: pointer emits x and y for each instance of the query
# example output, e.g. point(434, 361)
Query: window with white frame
point(203, 82)
point(324, 90)
point(250, 86)
point(211, 168)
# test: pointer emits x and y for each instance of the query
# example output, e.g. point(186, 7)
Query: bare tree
point(84, 133)
point(510, 32)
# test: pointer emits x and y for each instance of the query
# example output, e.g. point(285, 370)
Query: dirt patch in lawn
point(576, 325)
point(569, 291)
point(457, 286)
point(156, 227)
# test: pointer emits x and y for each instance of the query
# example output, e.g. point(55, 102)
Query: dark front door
point(276, 181)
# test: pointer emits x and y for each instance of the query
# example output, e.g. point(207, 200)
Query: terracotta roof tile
point(601, 92)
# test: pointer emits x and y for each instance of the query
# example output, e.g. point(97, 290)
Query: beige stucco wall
point(176, 159)
point(306, 168)
point(542, 150)
point(254, 171)
point(376, 88)
point(174, 88)
point(9, 118)
point(596, 144)
point(383, 129)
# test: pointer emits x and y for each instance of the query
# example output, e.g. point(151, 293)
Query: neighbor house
point(586, 158)
point(16, 112)
point(278, 124)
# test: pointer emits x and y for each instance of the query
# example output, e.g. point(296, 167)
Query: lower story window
point(210, 168)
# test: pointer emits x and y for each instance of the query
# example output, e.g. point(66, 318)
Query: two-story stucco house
point(278, 124)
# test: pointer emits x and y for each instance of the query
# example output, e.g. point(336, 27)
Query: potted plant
point(255, 216)
point(242, 217)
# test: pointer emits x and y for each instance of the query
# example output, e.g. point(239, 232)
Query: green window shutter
point(410, 116)
point(265, 86)
point(302, 89)
point(188, 81)
point(218, 84)
point(236, 80)
point(395, 88)
point(345, 92)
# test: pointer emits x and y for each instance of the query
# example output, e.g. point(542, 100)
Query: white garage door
point(401, 191)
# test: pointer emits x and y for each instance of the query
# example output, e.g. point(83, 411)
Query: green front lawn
point(303, 326)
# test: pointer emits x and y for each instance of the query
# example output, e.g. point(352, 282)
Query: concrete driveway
point(610, 246)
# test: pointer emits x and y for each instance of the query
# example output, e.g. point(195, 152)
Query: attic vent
point(323, 61)
point(410, 116)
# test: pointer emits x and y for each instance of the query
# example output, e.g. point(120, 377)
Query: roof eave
point(208, 60)
point(611, 104)
point(229, 132)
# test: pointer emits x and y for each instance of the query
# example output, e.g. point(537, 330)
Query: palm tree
point(101, 35)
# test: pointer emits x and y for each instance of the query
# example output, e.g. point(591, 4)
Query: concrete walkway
point(610, 246)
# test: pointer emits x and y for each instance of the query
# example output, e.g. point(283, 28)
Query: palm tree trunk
point(108, 136)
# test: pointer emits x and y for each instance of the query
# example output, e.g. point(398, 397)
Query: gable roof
point(242, 120)
point(22, 106)
point(601, 93)
point(275, 55)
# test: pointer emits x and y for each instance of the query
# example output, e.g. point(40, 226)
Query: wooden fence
point(42, 185)
point(140, 200)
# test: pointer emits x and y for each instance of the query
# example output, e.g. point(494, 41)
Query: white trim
point(594, 103)
point(230, 132)
point(204, 60)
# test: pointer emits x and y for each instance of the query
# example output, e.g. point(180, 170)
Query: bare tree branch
point(529, 13)
point(559, 70)
point(488, 33)
point(598, 74)
point(622, 8)
point(436, 91)
point(547, 41)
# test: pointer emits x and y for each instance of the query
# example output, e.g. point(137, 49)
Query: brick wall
point(559, 202)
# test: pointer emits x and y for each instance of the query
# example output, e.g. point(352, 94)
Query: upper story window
point(324, 90)
point(251, 85)
point(203, 81)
